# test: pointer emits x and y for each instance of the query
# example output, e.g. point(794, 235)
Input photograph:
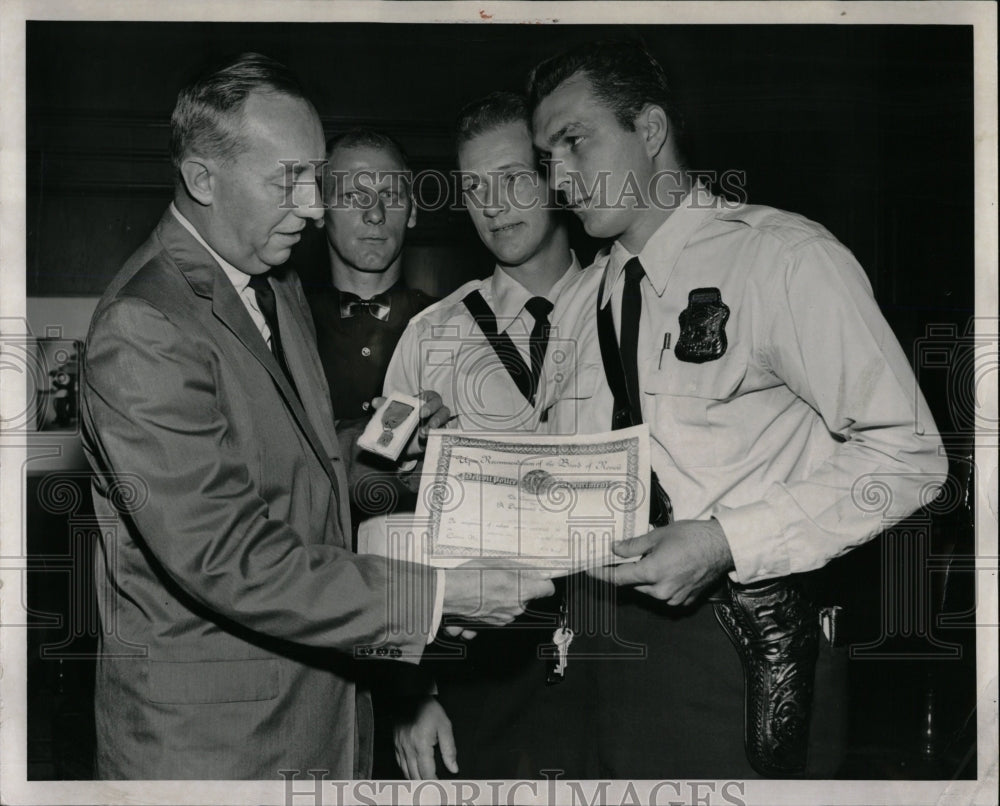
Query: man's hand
point(433, 414)
point(492, 596)
point(677, 562)
point(414, 740)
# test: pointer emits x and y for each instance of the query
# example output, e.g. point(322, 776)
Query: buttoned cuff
point(755, 540)
point(438, 605)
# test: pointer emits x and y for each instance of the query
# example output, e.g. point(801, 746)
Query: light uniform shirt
point(239, 279)
point(444, 350)
point(809, 435)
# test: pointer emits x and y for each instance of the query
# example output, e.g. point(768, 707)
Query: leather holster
point(775, 627)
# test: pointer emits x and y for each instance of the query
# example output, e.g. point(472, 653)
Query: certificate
point(550, 502)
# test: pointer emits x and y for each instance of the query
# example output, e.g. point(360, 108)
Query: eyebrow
point(505, 167)
point(510, 165)
point(297, 170)
point(555, 138)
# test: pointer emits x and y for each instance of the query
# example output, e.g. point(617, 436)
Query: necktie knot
point(539, 308)
point(634, 272)
point(265, 300)
point(259, 284)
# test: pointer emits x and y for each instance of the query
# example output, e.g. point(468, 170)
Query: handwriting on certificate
point(546, 501)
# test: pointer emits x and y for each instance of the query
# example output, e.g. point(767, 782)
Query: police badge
point(703, 327)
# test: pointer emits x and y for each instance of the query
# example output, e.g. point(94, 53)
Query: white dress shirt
point(444, 350)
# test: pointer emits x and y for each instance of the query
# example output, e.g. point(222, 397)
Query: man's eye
point(574, 140)
point(520, 176)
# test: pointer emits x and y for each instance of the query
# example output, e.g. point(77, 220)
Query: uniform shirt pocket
point(575, 402)
point(685, 405)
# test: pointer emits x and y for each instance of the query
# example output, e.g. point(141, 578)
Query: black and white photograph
point(318, 320)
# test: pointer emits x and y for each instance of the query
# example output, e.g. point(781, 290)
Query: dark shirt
point(355, 351)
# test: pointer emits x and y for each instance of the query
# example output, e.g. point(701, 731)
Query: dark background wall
point(867, 129)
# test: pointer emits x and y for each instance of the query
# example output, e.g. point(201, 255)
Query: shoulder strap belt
point(502, 344)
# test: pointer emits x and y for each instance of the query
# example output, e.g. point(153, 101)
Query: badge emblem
point(703, 327)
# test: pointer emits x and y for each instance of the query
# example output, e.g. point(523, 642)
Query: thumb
point(537, 588)
point(635, 546)
point(449, 753)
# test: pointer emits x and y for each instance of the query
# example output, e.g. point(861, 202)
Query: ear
point(654, 126)
point(199, 179)
point(411, 222)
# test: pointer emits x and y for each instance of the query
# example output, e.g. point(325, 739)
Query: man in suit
point(233, 610)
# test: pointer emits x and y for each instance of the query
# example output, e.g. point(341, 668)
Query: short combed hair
point(208, 116)
point(368, 138)
point(490, 112)
point(624, 75)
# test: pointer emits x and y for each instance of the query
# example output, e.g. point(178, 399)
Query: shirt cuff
point(755, 541)
point(438, 605)
point(407, 466)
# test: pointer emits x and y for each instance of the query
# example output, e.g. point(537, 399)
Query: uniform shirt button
point(366, 351)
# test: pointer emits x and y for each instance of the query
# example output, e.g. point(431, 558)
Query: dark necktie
point(629, 341)
point(660, 506)
point(378, 306)
point(538, 341)
point(268, 306)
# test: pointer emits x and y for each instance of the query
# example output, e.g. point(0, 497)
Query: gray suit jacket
point(232, 607)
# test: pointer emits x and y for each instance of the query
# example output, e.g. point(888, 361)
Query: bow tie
point(378, 306)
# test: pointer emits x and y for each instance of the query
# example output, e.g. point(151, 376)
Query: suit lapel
point(305, 369)
point(208, 280)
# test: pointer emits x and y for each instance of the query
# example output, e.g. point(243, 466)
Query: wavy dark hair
point(624, 76)
point(208, 116)
point(488, 113)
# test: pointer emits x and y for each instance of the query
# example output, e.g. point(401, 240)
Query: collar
point(508, 296)
point(660, 254)
point(239, 279)
point(392, 291)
